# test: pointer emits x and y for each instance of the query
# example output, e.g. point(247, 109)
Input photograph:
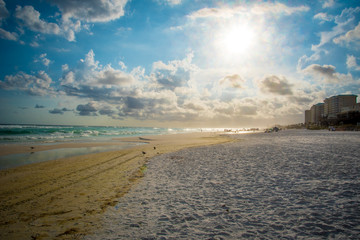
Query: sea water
point(54, 134)
point(62, 133)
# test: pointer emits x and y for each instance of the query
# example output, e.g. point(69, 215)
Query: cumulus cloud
point(234, 81)
point(247, 110)
point(351, 63)
point(38, 84)
point(30, 18)
point(43, 59)
point(352, 36)
point(323, 17)
point(90, 73)
point(13, 36)
point(120, 95)
point(174, 74)
point(122, 65)
point(39, 106)
point(88, 109)
point(257, 9)
point(91, 11)
point(174, 2)
point(69, 28)
point(276, 85)
point(56, 111)
point(343, 22)
point(59, 111)
point(328, 3)
point(327, 73)
point(107, 110)
point(170, 2)
point(4, 34)
point(4, 13)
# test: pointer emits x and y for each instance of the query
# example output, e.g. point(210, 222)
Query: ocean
point(63, 133)
point(31, 135)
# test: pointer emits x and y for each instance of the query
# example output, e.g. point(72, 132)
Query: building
point(341, 109)
point(307, 117)
point(336, 104)
point(316, 113)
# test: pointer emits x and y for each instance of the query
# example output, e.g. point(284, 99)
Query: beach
point(293, 184)
point(65, 198)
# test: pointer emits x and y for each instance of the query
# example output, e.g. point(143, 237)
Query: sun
point(236, 39)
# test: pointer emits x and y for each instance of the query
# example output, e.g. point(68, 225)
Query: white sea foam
point(45, 133)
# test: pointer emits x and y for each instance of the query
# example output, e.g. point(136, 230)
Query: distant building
point(316, 113)
point(336, 104)
point(307, 117)
point(334, 110)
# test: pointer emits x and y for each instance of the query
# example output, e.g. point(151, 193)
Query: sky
point(174, 63)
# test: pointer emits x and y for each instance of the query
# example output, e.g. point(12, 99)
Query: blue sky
point(174, 63)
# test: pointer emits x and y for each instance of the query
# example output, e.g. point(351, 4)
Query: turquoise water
point(55, 134)
point(58, 133)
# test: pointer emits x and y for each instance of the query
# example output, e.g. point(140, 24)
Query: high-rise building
point(316, 112)
point(307, 117)
point(335, 104)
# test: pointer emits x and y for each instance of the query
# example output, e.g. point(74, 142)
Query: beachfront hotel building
point(331, 108)
point(307, 117)
point(338, 104)
point(316, 112)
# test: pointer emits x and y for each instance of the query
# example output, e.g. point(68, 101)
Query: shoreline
point(64, 198)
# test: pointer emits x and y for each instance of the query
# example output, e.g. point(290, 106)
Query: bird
point(143, 152)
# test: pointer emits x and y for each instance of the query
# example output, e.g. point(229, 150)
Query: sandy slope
point(65, 198)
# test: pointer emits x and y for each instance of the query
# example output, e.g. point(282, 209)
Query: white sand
point(286, 185)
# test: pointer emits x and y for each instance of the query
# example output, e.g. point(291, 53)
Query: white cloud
point(278, 85)
point(324, 17)
point(59, 111)
point(43, 59)
point(343, 22)
point(4, 13)
point(328, 3)
point(352, 36)
point(88, 109)
point(305, 59)
point(172, 2)
point(91, 10)
point(93, 73)
point(8, 35)
point(122, 65)
point(351, 63)
point(328, 74)
point(174, 74)
point(112, 92)
point(38, 84)
point(233, 81)
point(258, 9)
point(69, 28)
point(31, 19)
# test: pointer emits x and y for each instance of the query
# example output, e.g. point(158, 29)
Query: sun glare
point(236, 39)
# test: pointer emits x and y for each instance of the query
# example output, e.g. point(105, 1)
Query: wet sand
point(65, 198)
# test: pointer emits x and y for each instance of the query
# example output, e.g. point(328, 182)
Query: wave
point(24, 133)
